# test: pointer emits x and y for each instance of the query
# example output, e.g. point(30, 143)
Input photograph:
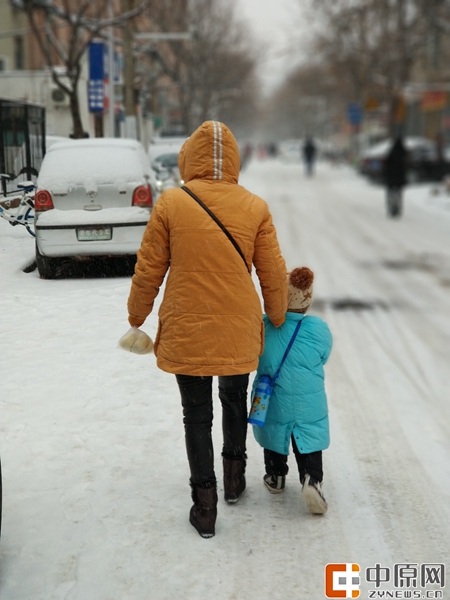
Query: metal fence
point(22, 141)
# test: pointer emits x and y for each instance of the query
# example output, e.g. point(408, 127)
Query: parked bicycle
point(17, 206)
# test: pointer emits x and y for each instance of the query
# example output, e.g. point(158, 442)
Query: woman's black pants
point(197, 402)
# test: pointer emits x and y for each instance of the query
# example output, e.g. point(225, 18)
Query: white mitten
point(136, 341)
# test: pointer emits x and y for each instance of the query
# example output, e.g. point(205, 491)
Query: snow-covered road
point(95, 477)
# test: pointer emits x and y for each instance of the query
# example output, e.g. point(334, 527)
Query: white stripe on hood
point(215, 149)
point(218, 150)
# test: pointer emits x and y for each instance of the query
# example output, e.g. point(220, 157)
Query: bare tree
point(360, 49)
point(215, 70)
point(305, 104)
point(371, 44)
point(63, 30)
point(437, 52)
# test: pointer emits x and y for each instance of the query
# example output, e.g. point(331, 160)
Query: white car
point(163, 152)
point(165, 145)
point(93, 198)
point(166, 171)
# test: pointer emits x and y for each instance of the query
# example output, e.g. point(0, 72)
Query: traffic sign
point(95, 86)
point(354, 113)
point(371, 104)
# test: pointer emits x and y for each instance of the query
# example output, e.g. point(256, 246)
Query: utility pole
point(129, 75)
point(112, 129)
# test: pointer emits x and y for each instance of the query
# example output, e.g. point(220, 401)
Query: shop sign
point(433, 101)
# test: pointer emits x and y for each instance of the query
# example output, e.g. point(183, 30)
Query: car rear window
point(170, 160)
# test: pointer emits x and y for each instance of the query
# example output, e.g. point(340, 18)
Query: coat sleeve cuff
point(135, 322)
point(278, 322)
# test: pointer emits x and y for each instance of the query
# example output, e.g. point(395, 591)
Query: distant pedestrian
point(272, 149)
point(439, 173)
point(246, 154)
point(309, 155)
point(210, 318)
point(297, 413)
point(395, 177)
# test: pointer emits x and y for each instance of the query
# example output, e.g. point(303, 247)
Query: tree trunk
point(78, 130)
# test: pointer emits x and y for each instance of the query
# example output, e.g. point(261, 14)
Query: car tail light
point(43, 201)
point(142, 196)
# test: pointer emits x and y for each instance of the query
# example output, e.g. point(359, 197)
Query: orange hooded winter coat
point(210, 319)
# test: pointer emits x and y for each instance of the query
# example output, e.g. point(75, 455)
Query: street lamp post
point(111, 72)
point(128, 77)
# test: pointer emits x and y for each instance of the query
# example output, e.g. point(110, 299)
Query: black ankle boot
point(233, 477)
point(204, 511)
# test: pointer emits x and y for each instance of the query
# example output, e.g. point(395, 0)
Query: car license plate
point(94, 233)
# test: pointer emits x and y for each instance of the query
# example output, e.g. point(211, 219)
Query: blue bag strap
point(294, 335)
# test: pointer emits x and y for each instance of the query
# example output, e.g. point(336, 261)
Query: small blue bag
point(263, 390)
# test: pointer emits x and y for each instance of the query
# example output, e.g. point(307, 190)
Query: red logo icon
point(342, 580)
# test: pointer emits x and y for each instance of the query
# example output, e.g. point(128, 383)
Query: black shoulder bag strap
point(222, 227)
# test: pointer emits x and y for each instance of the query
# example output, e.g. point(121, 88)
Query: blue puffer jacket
point(298, 404)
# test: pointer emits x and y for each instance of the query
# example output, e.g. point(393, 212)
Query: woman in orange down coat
point(210, 319)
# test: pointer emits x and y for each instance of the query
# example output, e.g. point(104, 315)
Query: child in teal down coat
point(297, 411)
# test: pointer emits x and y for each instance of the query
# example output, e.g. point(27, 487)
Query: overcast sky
point(277, 24)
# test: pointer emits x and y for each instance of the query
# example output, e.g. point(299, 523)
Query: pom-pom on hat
point(300, 289)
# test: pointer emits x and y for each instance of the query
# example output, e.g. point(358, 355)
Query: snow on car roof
point(167, 145)
point(73, 163)
point(381, 149)
point(97, 142)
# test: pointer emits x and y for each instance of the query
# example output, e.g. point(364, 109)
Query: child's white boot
point(314, 498)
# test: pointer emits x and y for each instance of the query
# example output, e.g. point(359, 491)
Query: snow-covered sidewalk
point(95, 477)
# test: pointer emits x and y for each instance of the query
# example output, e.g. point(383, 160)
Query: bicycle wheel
point(29, 221)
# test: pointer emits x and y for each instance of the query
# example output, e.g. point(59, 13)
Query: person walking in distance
point(297, 414)
point(205, 237)
point(309, 155)
point(395, 177)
